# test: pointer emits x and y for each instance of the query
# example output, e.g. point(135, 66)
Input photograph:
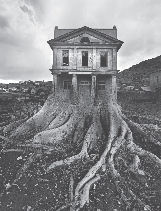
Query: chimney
point(55, 31)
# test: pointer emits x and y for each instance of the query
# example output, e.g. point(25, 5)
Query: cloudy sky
point(26, 25)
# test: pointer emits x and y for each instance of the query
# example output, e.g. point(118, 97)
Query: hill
point(138, 75)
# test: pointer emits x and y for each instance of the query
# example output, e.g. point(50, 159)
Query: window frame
point(84, 65)
point(67, 85)
point(101, 85)
point(102, 57)
point(83, 83)
point(63, 62)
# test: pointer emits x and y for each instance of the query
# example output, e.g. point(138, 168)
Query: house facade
point(155, 80)
point(84, 62)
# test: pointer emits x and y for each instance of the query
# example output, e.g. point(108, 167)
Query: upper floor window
point(84, 58)
point(65, 56)
point(103, 58)
point(101, 85)
point(67, 84)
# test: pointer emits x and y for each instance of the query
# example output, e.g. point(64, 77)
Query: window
point(85, 40)
point(65, 56)
point(84, 58)
point(84, 83)
point(157, 79)
point(67, 84)
point(101, 85)
point(103, 58)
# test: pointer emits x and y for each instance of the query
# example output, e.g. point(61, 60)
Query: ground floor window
point(67, 85)
point(84, 83)
point(101, 85)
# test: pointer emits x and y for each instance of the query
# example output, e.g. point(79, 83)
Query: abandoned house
point(84, 62)
point(155, 80)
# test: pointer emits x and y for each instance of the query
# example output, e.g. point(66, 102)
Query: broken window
point(65, 55)
point(84, 58)
point(103, 57)
point(67, 84)
point(101, 85)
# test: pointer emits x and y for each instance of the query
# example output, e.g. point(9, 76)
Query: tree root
point(26, 166)
point(84, 197)
point(90, 136)
point(101, 130)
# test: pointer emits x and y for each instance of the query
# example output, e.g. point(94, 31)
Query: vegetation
point(81, 156)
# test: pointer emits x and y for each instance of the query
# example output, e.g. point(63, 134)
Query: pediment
point(75, 36)
point(92, 36)
point(86, 36)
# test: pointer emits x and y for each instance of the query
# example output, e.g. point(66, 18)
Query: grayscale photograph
point(80, 105)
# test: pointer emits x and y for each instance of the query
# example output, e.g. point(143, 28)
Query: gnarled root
point(101, 130)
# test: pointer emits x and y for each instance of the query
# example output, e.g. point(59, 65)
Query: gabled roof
point(77, 32)
point(111, 32)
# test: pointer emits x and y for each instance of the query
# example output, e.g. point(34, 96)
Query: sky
point(27, 25)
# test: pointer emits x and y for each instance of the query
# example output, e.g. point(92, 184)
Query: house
point(26, 85)
point(145, 89)
point(84, 62)
point(127, 88)
point(155, 80)
point(33, 91)
point(38, 83)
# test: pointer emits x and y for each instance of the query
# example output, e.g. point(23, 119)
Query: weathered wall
point(84, 91)
point(75, 59)
point(64, 93)
point(102, 94)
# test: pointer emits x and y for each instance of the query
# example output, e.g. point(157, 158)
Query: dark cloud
point(30, 13)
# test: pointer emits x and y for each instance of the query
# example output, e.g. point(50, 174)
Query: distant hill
point(138, 75)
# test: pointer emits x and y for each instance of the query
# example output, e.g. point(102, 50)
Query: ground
point(83, 157)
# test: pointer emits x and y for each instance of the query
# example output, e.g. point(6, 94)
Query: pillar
point(114, 86)
point(54, 58)
point(94, 58)
point(55, 84)
point(74, 88)
point(75, 58)
point(93, 88)
point(114, 59)
point(110, 59)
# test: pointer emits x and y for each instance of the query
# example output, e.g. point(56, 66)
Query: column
point(114, 59)
point(114, 88)
point(93, 88)
point(74, 88)
point(94, 58)
point(55, 84)
point(110, 59)
point(54, 58)
point(75, 58)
